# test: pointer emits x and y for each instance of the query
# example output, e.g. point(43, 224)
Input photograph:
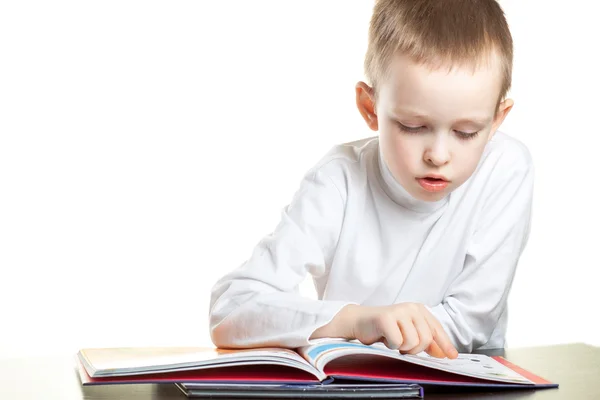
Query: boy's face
point(433, 123)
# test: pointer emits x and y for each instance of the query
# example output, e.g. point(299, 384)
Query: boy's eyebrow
point(477, 121)
point(409, 113)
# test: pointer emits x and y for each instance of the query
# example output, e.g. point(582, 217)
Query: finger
point(444, 343)
point(409, 333)
point(389, 331)
point(434, 350)
point(424, 332)
point(441, 338)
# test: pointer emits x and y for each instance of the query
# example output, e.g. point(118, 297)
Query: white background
point(146, 147)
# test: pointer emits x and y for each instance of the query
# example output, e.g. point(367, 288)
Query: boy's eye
point(466, 135)
point(418, 129)
point(410, 129)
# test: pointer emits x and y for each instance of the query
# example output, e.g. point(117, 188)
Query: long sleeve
point(258, 304)
point(477, 298)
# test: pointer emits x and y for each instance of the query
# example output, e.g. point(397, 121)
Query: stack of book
point(327, 368)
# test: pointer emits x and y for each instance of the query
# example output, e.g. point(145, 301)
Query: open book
point(324, 362)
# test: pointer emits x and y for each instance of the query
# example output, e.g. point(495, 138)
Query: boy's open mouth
point(433, 183)
point(434, 178)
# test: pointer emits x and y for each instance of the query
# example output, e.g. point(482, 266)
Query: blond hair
point(439, 33)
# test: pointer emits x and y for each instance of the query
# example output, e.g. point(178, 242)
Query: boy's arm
point(258, 304)
point(477, 298)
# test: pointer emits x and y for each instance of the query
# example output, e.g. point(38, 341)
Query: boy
point(412, 237)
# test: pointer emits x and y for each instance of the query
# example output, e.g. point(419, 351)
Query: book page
point(122, 361)
point(473, 365)
point(325, 350)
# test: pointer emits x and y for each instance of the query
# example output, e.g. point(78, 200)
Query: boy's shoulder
point(507, 151)
point(348, 156)
point(348, 163)
point(505, 163)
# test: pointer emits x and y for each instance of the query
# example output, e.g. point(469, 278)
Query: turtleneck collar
point(399, 195)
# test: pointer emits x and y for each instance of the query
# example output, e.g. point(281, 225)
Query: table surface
point(576, 367)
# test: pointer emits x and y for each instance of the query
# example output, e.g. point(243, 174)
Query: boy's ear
point(365, 101)
point(503, 109)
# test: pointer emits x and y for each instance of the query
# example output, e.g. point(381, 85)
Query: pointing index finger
point(441, 338)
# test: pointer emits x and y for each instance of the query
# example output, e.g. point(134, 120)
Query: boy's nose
point(437, 153)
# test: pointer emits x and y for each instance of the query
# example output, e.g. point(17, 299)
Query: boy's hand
point(408, 327)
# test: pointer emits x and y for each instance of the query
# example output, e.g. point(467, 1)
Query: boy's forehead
point(442, 87)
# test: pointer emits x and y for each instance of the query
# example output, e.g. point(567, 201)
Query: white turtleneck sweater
point(365, 240)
